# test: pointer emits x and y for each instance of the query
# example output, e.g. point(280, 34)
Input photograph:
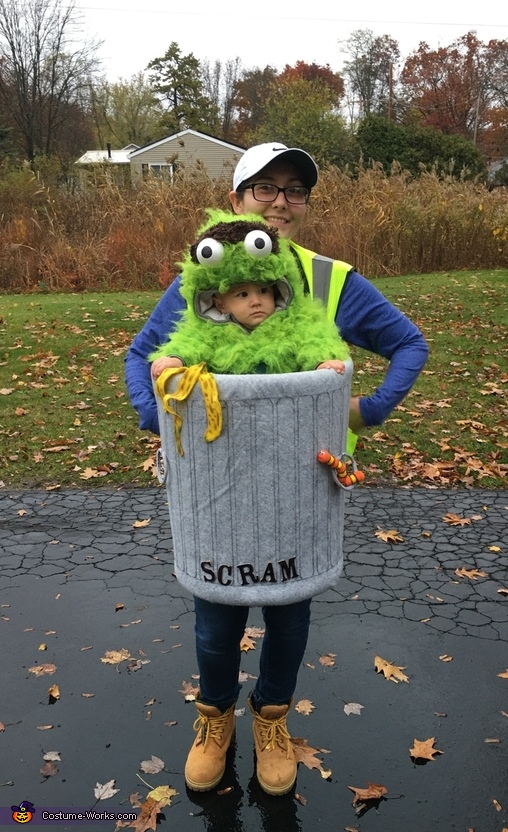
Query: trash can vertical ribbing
point(255, 518)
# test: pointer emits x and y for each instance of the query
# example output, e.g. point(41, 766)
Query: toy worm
point(341, 470)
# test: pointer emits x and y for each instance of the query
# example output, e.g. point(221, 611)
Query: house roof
point(497, 165)
point(187, 132)
point(112, 157)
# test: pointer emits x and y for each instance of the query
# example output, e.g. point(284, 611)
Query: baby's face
point(249, 303)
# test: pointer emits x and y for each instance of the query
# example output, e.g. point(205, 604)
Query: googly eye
point(258, 243)
point(209, 252)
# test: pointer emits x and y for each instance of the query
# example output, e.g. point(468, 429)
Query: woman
point(275, 182)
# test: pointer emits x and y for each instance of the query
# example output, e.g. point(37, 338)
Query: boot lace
point(211, 727)
point(273, 733)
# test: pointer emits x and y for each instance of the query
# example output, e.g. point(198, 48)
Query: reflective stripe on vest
point(326, 278)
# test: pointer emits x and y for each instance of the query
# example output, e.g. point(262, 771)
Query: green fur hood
point(229, 250)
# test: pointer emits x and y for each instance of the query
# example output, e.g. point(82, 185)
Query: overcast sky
point(135, 32)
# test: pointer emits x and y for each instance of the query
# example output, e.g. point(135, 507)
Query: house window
point(162, 171)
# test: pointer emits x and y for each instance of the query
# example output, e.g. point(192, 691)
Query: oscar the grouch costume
point(230, 250)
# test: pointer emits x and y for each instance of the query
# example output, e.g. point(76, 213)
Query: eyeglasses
point(263, 192)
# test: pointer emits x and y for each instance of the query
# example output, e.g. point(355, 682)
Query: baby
point(246, 308)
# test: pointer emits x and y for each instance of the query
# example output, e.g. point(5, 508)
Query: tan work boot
point(206, 761)
point(276, 764)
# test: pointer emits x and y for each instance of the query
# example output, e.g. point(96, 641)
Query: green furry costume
point(230, 250)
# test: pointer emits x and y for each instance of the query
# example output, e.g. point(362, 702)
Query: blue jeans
point(219, 629)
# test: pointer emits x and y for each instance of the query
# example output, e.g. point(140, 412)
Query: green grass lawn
point(65, 417)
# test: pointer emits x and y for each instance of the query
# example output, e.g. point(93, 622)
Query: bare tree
point(45, 71)
point(219, 85)
point(369, 72)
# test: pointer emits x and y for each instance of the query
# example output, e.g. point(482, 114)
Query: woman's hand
point(356, 422)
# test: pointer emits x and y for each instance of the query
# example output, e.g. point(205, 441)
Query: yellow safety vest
point(326, 278)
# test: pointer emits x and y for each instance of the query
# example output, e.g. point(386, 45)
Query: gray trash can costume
point(256, 519)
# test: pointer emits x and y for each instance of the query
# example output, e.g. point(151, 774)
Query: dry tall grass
point(107, 238)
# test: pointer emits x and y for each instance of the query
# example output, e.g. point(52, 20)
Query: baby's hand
point(332, 364)
point(165, 363)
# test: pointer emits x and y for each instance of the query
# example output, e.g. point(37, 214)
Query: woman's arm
point(368, 320)
point(155, 332)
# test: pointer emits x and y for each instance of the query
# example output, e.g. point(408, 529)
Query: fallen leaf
point(150, 701)
point(244, 677)
point(115, 656)
point(353, 708)
point(494, 548)
point(423, 750)
point(147, 818)
point(226, 790)
point(389, 670)
point(474, 574)
point(103, 792)
point(446, 658)
point(49, 769)
point(2, 727)
point(87, 695)
point(389, 535)
point(42, 647)
point(300, 798)
point(503, 675)
point(41, 669)
point(152, 766)
point(305, 707)
point(119, 607)
point(374, 791)
point(45, 727)
point(247, 643)
point(52, 755)
point(304, 753)
point(497, 805)
point(254, 632)
point(140, 524)
point(328, 660)
point(189, 691)
point(503, 591)
point(162, 793)
point(455, 520)
point(492, 739)
point(54, 692)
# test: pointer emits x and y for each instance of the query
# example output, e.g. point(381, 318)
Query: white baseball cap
point(259, 156)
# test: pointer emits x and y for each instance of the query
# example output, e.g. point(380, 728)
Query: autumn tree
point(126, 111)
point(369, 72)
point(44, 74)
point(315, 72)
point(302, 114)
point(250, 94)
point(219, 87)
point(453, 88)
point(177, 80)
